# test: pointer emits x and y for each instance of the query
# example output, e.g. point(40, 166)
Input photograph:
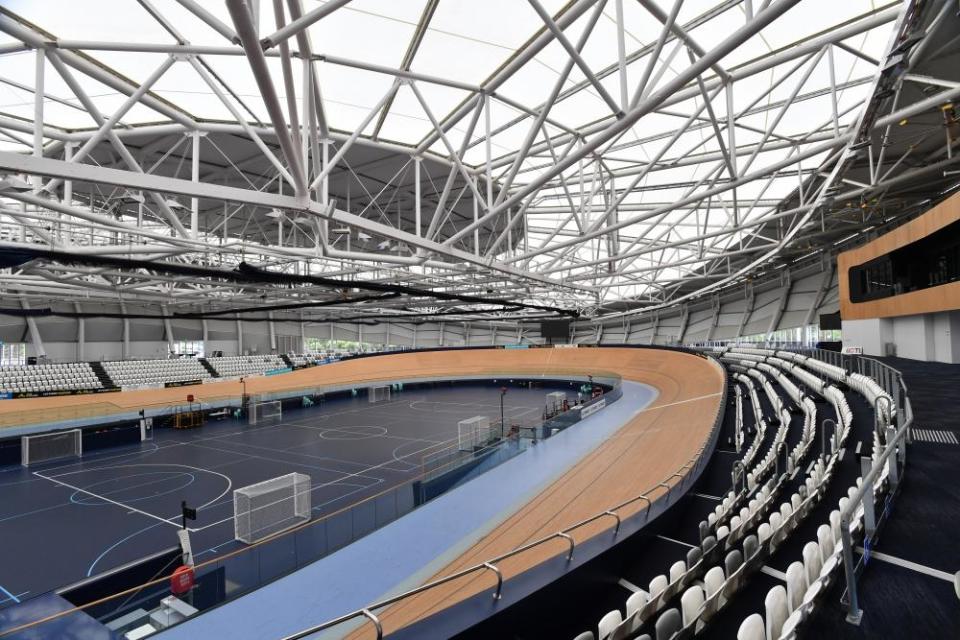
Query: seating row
point(130, 373)
point(48, 377)
point(228, 366)
point(819, 558)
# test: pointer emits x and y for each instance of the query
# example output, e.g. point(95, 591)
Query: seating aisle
point(925, 513)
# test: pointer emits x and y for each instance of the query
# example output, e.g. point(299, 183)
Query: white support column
point(206, 334)
point(747, 311)
point(125, 345)
point(273, 333)
point(35, 339)
point(684, 321)
point(821, 292)
point(715, 319)
point(38, 98)
point(239, 336)
point(781, 305)
point(68, 150)
point(441, 334)
point(195, 176)
point(621, 57)
point(81, 334)
point(416, 195)
point(168, 328)
point(476, 231)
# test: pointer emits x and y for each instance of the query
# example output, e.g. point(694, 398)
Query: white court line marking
point(289, 462)
point(629, 586)
point(171, 519)
point(105, 499)
point(681, 542)
point(913, 566)
point(779, 575)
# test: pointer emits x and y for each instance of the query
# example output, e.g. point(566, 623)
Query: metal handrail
point(490, 565)
point(895, 443)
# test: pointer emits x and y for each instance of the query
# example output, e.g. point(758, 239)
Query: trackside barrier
point(491, 565)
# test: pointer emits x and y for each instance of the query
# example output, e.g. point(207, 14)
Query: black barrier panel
point(114, 435)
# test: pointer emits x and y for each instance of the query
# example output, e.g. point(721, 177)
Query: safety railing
point(892, 427)
point(893, 460)
point(491, 565)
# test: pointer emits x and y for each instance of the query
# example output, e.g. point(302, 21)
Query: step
point(209, 367)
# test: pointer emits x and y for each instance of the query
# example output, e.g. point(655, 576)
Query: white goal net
point(266, 411)
point(266, 508)
point(50, 446)
point(474, 433)
point(379, 394)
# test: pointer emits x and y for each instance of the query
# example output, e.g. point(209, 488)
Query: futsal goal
point(379, 394)
point(266, 411)
point(474, 433)
point(51, 446)
point(266, 508)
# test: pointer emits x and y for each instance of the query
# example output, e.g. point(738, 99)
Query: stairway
point(209, 367)
point(103, 376)
point(287, 360)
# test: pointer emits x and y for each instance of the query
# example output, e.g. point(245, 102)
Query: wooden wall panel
point(942, 298)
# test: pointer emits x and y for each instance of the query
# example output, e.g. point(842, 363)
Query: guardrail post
point(854, 613)
point(616, 529)
point(376, 622)
point(892, 468)
point(491, 567)
point(869, 519)
point(569, 538)
point(823, 438)
point(667, 487)
point(880, 418)
point(736, 473)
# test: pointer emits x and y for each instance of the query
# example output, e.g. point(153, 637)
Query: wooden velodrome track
point(654, 444)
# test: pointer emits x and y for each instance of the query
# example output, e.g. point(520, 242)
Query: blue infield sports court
point(117, 505)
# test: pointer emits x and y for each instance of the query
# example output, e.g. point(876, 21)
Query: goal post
point(266, 508)
point(51, 446)
point(266, 411)
point(379, 394)
point(474, 433)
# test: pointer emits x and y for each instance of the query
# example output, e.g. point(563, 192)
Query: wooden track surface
point(654, 444)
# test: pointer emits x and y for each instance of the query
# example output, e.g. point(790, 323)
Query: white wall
point(740, 311)
point(930, 337)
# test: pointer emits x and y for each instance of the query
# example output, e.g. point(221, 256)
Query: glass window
point(188, 348)
point(13, 353)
